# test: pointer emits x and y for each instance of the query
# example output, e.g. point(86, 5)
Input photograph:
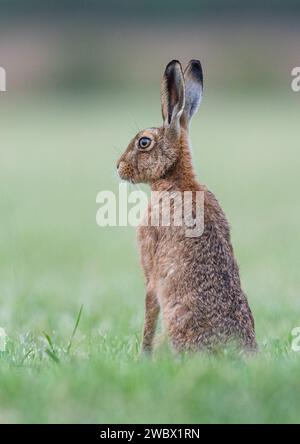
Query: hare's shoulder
point(214, 215)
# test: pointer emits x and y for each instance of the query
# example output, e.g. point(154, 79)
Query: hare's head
point(154, 152)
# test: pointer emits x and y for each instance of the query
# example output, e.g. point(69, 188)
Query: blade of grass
point(75, 329)
point(53, 356)
point(49, 341)
point(26, 356)
point(51, 351)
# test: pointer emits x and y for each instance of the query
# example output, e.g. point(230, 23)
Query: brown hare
point(193, 281)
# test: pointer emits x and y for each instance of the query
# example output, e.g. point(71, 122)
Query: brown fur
point(194, 281)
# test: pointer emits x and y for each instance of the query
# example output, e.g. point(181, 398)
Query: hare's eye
point(144, 143)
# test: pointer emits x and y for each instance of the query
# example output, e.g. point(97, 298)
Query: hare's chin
point(125, 178)
point(131, 180)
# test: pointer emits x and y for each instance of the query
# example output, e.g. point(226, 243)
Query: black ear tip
point(196, 69)
point(173, 62)
point(195, 62)
point(171, 65)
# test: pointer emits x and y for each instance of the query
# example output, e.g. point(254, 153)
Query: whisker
point(117, 150)
point(134, 121)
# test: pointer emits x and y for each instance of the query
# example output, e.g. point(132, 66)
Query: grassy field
point(56, 154)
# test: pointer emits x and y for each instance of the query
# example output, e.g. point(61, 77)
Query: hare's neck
point(182, 175)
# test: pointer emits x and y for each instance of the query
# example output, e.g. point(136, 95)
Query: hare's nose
point(120, 164)
point(120, 161)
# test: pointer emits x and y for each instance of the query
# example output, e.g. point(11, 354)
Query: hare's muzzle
point(124, 170)
point(120, 166)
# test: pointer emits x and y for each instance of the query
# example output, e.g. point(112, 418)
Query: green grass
point(56, 154)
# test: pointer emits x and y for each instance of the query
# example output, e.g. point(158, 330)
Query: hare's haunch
point(193, 280)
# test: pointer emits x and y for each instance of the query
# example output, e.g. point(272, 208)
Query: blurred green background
point(81, 78)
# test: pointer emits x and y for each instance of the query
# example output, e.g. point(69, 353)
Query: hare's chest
point(148, 242)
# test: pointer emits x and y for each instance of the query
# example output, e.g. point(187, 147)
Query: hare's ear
point(172, 94)
point(193, 77)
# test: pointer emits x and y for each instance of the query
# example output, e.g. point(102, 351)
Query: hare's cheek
point(145, 163)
